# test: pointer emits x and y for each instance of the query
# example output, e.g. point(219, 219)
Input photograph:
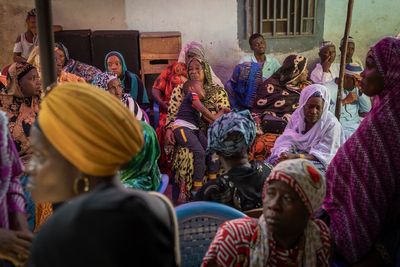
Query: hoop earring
point(85, 184)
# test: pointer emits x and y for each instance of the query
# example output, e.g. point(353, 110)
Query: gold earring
point(85, 184)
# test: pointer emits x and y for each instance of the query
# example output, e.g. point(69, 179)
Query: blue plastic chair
point(198, 223)
point(163, 184)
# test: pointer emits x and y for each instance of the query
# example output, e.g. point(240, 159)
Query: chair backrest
point(163, 184)
point(198, 223)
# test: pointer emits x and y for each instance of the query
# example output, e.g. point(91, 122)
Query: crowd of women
point(329, 189)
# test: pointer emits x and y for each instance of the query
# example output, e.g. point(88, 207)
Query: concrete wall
point(211, 22)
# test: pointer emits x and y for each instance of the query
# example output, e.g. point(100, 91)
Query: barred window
point(284, 17)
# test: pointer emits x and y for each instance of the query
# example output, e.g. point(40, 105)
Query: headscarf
point(34, 58)
point(62, 47)
point(96, 145)
point(242, 86)
point(327, 127)
point(353, 70)
point(197, 50)
point(102, 79)
point(121, 59)
point(363, 178)
point(304, 178)
point(291, 69)
point(220, 133)
point(11, 168)
point(349, 40)
point(15, 73)
point(143, 172)
point(169, 78)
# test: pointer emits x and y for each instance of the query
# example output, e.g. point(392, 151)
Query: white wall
point(213, 23)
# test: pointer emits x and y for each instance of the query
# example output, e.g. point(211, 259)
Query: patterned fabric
point(102, 79)
point(262, 146)
point(322, 140)
point(66, 77)
point(216, 99)
point(239, 125)
point(134, 107)
point(142, 172)
point(11, 193)
point(243, 85)
point(43, 211)
point(174, 75)
point(363, 178)
point(197, 50)
point(279, 95)
point(21, 111)
point(246, 242)
point(71, 111)
point(131, 82)
point(80, 69)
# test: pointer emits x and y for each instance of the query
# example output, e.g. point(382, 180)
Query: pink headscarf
point(363, 180)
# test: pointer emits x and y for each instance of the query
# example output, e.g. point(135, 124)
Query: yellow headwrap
point(90, 128)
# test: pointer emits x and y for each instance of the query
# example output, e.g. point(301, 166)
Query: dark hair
point(188, 84)
point(254, 36)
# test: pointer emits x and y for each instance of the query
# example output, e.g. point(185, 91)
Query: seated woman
point(110, 82)
point(243, 85)
point(216, 100)
point(276, 99)
point(313, 132)
point(15, 237)
point(114, 62)
point(83, 70)
point(79, 145)
point(287, 233)
point(240, 186)
point(142, 171)
point(363, 180)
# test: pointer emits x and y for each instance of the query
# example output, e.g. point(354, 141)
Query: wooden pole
point(46, 42)
point(343, 59)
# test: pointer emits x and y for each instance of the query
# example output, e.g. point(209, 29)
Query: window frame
point(280, 44)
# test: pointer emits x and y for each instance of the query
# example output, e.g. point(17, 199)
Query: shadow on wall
point(12, 23)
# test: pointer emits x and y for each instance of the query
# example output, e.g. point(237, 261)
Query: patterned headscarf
point(293, 66)
point(102, 79)
point(194, 48)
point(96, 145)
point(15, 73)
point(363, 178)
point(304, 178)
point(142, 171)
point(245, 80)
point(232, 133)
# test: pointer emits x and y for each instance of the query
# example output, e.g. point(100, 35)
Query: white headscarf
point(322, 140)
point(198, 49)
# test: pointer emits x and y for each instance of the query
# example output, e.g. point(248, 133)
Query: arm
point(174, 104)
point(18, 51)
point(319, 76)
point(203, 110)
point(364, 103)
point(157, 96)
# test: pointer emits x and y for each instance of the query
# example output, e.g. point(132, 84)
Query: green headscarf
point(142, 171)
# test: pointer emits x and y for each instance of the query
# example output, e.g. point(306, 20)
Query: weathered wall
point(211, 22)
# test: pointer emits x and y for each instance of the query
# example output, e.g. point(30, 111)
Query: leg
point(188, 138)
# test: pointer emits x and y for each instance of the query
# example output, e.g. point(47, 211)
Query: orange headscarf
point(90, 128)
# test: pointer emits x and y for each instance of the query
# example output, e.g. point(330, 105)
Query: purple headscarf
point(363, 180)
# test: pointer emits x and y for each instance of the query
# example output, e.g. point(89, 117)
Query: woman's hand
point(169, 137)
point(14, 246)
point(286, 156)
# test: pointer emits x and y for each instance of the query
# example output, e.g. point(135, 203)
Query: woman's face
point(313, 109)
point(30, 84)
point(114, 65)
point(372, 80)
point(51, 176)
point(114, 87)
point(196, 71)
point(284, 211)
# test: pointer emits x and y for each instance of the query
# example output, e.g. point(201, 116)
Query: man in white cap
point(351, 46)
point(327, 70)
point(355, 104)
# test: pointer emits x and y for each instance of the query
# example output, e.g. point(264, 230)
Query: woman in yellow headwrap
point(81, 139)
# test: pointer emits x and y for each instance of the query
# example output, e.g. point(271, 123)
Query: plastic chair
point(163, 184)
point(198, 223)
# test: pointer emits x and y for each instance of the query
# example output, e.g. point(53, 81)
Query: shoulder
point(239, 229)
point(246, 58)
point(272, 59)
point(18, 39)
